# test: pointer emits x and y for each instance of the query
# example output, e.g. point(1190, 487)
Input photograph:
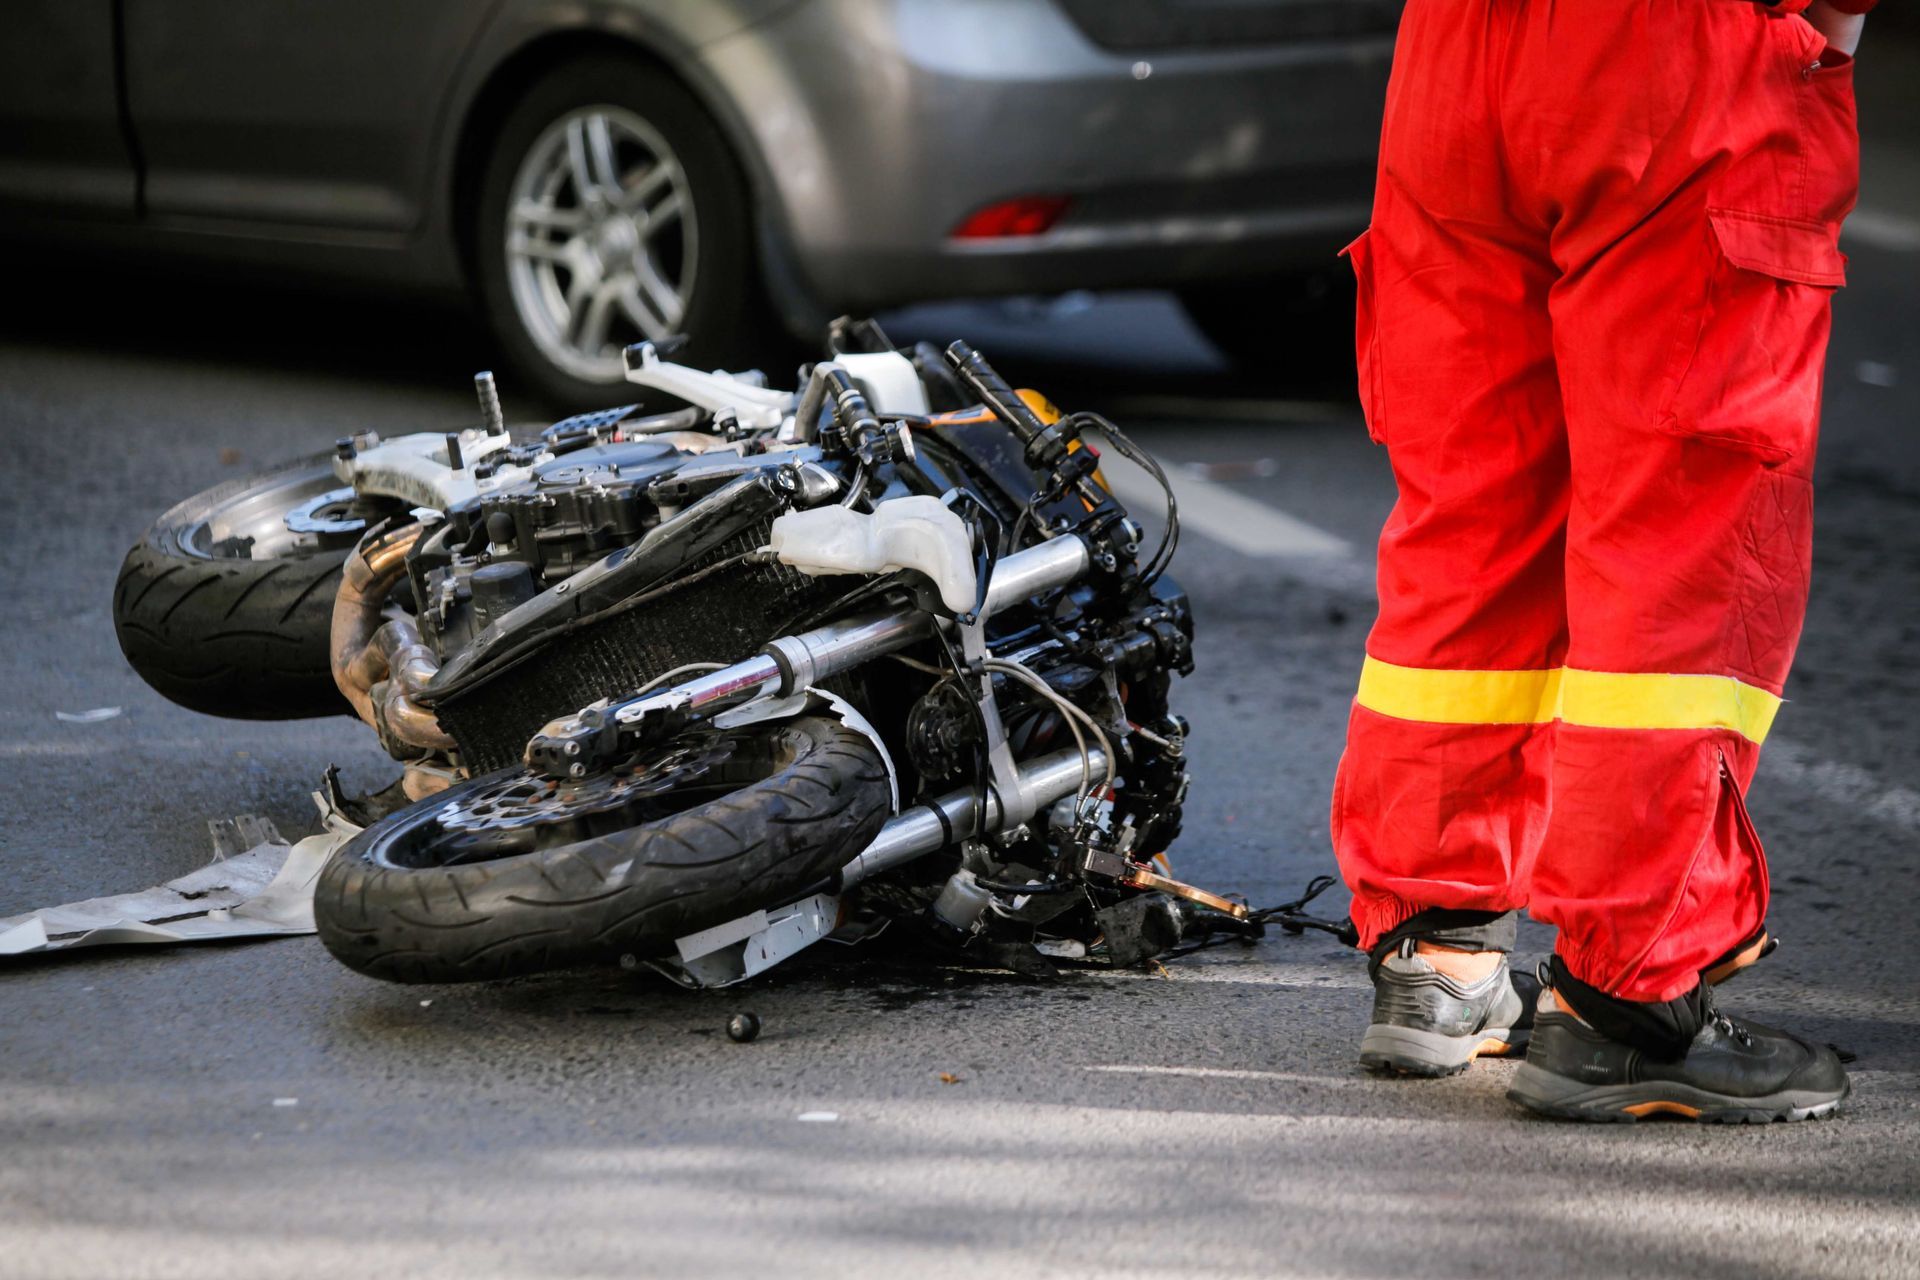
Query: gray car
point(597, 171)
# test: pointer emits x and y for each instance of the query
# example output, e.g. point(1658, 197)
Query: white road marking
point(1226, 516)
point(1224, 1073)
point(1876, 373)
point(1266, 974)
point(1879, 229)
point(1847, 785)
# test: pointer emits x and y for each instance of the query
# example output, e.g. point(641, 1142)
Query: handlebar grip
point(972, 368)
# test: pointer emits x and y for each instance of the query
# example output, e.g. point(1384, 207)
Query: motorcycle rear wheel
point(413, 899)
point(223, 609)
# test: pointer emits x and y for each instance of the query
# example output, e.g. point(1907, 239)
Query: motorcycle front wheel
point(511, 873)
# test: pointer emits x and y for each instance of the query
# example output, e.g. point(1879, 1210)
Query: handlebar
point(981, 379)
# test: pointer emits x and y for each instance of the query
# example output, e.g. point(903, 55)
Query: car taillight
point(1024, 216)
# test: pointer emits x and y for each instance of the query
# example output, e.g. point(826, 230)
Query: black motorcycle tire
point(230, 635)
point(813, 793)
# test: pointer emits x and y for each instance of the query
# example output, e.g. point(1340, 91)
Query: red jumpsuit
point(1594, 306)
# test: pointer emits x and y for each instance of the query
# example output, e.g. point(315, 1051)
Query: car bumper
point(880, 125)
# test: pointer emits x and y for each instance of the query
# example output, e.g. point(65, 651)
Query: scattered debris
point(743, 1028)
point(94, 716)
point(234, 836)
point(257, 886)
point(947, 1077)
point(231, 457)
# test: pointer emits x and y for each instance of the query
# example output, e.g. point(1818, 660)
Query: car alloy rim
point(600, 240)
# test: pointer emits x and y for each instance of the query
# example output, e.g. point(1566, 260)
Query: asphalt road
point(1209, 1121)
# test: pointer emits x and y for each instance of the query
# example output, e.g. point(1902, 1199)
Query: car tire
point(726, 318)
point(1297, 326)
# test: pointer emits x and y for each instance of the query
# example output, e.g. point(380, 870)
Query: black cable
point(855, 485)
point(982, 767)
point(1162, 557)
point(1031, 889)
point(1290, 916)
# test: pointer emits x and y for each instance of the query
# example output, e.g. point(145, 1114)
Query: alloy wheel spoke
point(637, 192)
point(644, 318)
point(528, 245)
point(537, 215)
point(660, 296)
point(580, 290)
point(662, 216)
point(580, 160)
point(599, 138)
point(590, 322)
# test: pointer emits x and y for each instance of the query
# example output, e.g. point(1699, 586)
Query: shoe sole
point(1540, 1090)
point(1409, 1051)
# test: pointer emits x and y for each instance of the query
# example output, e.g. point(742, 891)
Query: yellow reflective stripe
point(1612, 700)
point(1599, 699)
point(1459, 697)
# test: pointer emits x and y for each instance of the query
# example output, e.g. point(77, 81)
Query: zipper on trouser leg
point(1747, 832)
point(1752, 836)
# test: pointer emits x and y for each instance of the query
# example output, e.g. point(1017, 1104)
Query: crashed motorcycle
point(697, 689)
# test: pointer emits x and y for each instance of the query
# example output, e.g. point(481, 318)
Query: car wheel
point(611, 211)
point(1297, 327)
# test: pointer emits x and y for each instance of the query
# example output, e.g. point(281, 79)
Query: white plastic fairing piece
point(917, 533)
point(754, 406)
point(888, 380)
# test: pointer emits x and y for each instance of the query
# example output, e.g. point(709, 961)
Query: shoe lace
point(1727, 1024)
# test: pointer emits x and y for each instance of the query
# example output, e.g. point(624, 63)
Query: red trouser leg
point(1438, 804)
point(1682, 174)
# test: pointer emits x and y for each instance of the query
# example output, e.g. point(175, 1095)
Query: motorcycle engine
point(505, 547)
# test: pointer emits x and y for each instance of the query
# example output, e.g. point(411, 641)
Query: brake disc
point(523, 798)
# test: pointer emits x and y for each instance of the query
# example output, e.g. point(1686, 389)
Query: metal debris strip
point(257, 886)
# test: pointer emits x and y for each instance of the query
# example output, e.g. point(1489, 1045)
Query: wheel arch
point(520, 66)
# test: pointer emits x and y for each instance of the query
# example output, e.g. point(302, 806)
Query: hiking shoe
point(1427, 1024)
point(1734, 1072)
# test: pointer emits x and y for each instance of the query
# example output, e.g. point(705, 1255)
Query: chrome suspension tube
point(920, 830)
point(1053, 563)
point(561, 748)
point(790, 663)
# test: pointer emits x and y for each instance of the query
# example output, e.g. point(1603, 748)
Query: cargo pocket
point(1366, 340)
point(1829, 130)
point(1750, 369)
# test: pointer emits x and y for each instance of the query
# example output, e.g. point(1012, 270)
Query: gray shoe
point(1427, 1024)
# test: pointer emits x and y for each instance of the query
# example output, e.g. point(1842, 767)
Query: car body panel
point(887, 121)
point(307, 114)
point(62, 147)
point(282, 137)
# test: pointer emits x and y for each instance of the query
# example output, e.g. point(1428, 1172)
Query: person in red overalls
point(1593, 312)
